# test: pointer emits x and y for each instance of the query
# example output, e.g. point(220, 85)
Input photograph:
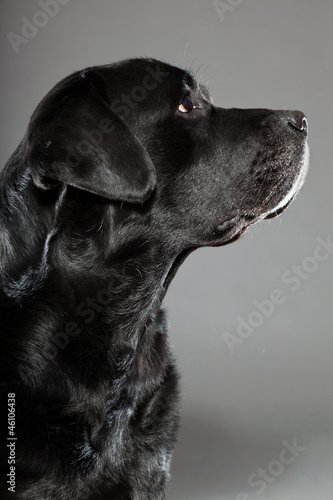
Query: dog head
point(143, 137)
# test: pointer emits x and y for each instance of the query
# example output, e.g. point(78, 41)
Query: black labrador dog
point(124, 170)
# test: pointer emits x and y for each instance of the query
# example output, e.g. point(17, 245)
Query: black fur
point(109, 191)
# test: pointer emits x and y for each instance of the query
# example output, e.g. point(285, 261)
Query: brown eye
point(186, 105)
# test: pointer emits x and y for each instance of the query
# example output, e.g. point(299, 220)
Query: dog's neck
point(127, 291)
point(124, 270)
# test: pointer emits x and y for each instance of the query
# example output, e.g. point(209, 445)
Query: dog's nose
point(298, 121)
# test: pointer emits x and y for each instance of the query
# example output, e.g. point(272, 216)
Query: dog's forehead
point(167, 77)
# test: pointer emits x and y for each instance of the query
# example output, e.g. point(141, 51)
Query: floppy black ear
point(75, 138)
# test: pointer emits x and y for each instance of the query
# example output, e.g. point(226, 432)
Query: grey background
point(276, 386)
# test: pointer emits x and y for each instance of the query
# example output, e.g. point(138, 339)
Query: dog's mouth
point(294, 190)
point(278, 211)
point(233, 227)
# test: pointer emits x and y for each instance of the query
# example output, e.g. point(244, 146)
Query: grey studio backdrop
point(256, 374)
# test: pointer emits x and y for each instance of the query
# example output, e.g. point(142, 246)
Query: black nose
point(298, 121)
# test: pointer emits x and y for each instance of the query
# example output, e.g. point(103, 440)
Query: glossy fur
point(109, 191)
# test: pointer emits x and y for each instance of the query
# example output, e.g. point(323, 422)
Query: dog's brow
point(205, 92)
point(186, 86)
point(190, 84)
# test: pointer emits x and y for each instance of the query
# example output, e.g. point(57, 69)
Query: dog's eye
point(186, 105)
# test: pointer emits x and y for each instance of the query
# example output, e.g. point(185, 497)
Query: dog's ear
point(75, 138)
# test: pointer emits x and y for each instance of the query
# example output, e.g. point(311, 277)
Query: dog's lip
point(295, 188)
point(278, 211)
point(229, 222)
point(232, 228)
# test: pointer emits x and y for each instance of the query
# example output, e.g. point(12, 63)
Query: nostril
point(299, 122)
